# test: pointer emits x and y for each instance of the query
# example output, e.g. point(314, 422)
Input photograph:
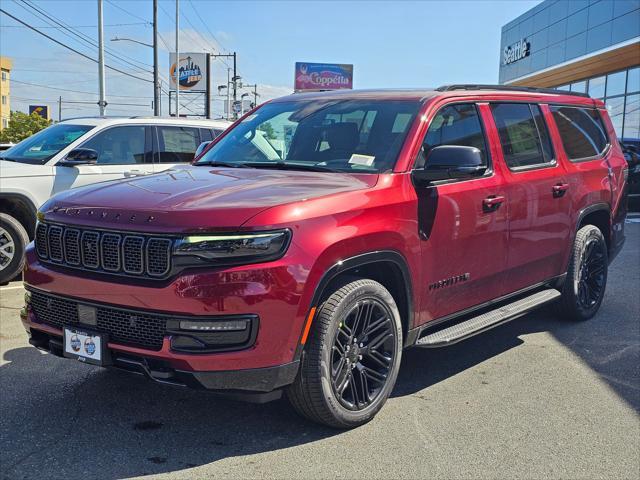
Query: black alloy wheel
point(362, 354)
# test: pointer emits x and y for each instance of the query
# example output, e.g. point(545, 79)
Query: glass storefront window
point(633, 82)
point(616, 83)
point(632, 117)
point(596, 87)
point(615, 106)
point(579, 86)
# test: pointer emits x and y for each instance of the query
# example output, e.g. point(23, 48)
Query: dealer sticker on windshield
point(364, 160)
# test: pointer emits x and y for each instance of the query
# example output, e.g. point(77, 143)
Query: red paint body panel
point(441, 232)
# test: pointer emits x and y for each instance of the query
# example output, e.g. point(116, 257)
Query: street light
point(121, 39)
point(156, 81)
point(242, 103)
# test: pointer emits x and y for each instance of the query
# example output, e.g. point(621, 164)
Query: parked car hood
point(195, 198)
point(9, 169)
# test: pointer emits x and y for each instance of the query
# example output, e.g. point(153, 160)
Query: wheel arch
point(21, 208)
point(388, 267)
point(598, 215)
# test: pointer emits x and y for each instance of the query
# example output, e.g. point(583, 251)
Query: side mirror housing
point(79, 156)
point(446, 162)
point(201, 148)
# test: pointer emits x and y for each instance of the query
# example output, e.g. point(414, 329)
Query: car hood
point(195, 198)
point(10, 169)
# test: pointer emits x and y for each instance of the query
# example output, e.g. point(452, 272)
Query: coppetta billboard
point(310, 77)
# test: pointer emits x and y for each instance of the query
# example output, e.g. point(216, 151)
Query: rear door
point(175, 146)
point(539, 201)
point(463, 223)
point(123, 151)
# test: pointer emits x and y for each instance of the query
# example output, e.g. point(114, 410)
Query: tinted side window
point(205, 135)
point(119, 145)
point(523, 134)
point(455, 125)
point(177, 144)
point(583, 134)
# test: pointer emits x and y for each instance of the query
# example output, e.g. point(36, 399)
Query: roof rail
point(508, 88)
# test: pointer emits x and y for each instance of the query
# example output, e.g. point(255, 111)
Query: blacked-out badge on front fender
point(448, 282)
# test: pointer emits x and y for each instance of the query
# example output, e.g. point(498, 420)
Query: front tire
point(352, 357)
point(13, 241)
point(584, 287)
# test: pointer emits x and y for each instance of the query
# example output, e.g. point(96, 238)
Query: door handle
point(560, 189)
point(492, 203)
point(134, 173)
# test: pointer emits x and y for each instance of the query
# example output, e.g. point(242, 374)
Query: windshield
point(338, 135)
point(39, 148)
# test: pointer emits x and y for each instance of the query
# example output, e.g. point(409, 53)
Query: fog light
point(221, 326)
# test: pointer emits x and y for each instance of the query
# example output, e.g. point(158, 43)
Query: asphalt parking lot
point(536, 398)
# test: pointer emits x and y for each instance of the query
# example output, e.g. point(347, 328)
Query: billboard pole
point(157, 108)
point(207, 107)
point(102, 103)
point(177, 59)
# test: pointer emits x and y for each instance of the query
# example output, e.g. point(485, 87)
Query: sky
point(392, 44)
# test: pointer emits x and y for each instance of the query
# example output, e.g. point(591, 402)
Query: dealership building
point(588, 46)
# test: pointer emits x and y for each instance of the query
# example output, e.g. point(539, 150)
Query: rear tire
point(13, 241)
point(584, 287)
point(352, 356)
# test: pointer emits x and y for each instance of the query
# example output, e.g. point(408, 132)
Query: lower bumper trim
point(233, 383)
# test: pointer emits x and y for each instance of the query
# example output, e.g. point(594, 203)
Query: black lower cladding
point(254, 380)
point(140, 328)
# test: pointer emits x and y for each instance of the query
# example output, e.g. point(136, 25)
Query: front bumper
point(242, 382)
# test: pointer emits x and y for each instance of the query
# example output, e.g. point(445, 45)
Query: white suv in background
point(81, 151)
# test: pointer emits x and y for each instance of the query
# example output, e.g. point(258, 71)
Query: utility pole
point(157, 106)
point(228, 94)
point(177, 59)
point(102, 102)
point(235, 78)
point(60, 108)
point(255, 95)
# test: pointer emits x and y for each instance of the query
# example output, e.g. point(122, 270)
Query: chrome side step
point(488, 320)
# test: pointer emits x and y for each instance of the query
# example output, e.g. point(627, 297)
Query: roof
point(96, 121)
point(460, 90)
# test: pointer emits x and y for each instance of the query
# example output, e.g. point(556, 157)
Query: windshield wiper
point(213, 163)
point(290, 166)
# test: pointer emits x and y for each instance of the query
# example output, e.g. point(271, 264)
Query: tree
point(267, 128)
point(22, 125)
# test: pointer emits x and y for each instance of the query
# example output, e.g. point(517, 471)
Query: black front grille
point(138, 329)
point(104, 251)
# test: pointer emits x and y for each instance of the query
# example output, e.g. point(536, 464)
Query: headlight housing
point(225, 249)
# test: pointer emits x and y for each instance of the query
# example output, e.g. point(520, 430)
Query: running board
point(486, 321)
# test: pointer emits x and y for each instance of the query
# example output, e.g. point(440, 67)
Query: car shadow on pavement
point(82, 421)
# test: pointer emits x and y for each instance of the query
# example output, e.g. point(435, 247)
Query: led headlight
point(236, 248)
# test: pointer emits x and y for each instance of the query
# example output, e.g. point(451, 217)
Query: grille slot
point(104, 251)
point(71, 241)
point(89, 249)
point(158, 251)
point(139, 329)
point(110, 251)
point(54, 235)
point(132, 254)
point(41, 241)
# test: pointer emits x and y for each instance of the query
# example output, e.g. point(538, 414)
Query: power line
point(121, 58)
point(128, 12)
point(70, 90)
point(207, 27)
point(71, 48)
point(80, 26)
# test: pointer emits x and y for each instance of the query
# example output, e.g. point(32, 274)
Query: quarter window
point(119, 145)
point(178, 144)
point(523, 135)
point(583, 134)
point(455, 125)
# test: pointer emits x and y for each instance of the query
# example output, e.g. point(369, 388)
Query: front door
point(463, 223)
point(123, 151)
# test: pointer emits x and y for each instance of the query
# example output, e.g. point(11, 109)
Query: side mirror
point(446, 162)
point(79, 156)
point(201, 148)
